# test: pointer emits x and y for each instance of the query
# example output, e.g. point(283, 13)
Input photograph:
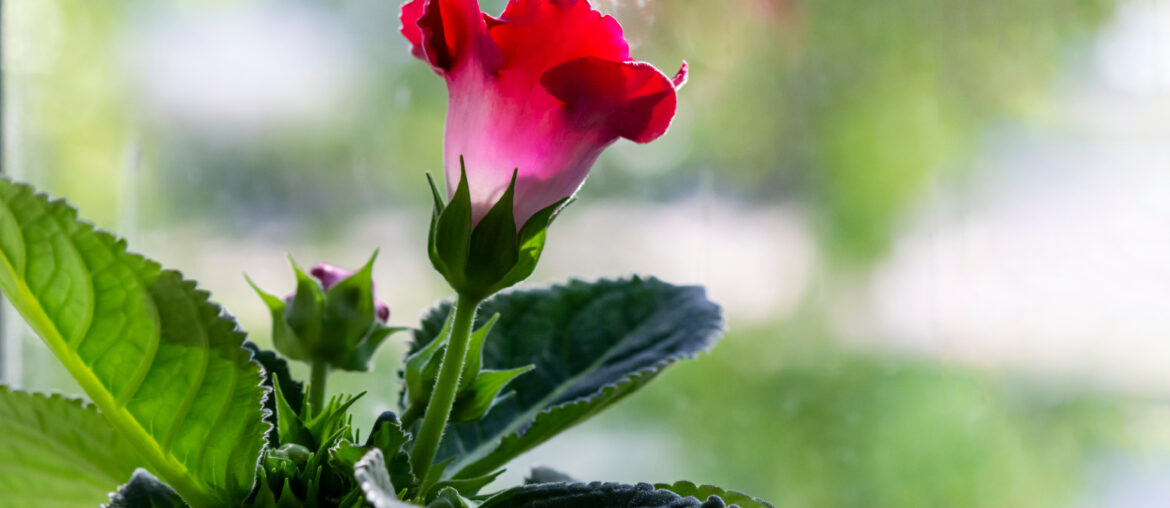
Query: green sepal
point(338, 326)
point(436, 194)
point(475, 402)
point(451, 234)
point(283, 337)
point(532, 237)
point(493, 244)
point(358, 358)
point(349, 312)
point(478, 260)
point(305, 312)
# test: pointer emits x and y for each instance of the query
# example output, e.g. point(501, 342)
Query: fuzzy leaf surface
point(592, 344)
point(58, 451)
point(145, 491)
point(702, 492)
point(594, 495)
point(161, 362)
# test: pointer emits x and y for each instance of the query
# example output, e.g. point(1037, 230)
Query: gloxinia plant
point(184, 411)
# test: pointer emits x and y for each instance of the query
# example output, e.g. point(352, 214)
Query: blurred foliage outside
point(849, 109)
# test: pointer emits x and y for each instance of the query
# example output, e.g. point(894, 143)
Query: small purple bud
point(330, 275)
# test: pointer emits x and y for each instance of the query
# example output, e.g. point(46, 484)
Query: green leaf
point(473, 403)
point(593, 495)
point(291, 390)
point(374, 481)
point(702, 492)
point(592, 344)
point(418, 373)
point(290, 427)
point(163, 364)
point(463, 487)
point(543, 474)
point(475, 353)
point(58, 451)
point(389, 437)
point(449, 497)
point(145, 491)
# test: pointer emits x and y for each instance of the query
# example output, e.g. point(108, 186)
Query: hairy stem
point(317, 386)
point(443, 396)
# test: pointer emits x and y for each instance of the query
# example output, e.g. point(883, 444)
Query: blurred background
point(939, 229)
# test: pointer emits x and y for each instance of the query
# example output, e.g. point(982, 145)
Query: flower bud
point(332, 316)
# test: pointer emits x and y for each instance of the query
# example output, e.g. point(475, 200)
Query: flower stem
point(443, 396)
point(317, 386)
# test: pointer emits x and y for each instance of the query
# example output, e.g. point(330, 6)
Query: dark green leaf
point(163, 364)
point(58, 451)
point(464, 487)
point(449, 497)
point(542, 474)
point(292, 390)
point(593, 495)
point(145, 491)
point(702, 492)
point(592, 344)
point(389, 437)
point(374, 481)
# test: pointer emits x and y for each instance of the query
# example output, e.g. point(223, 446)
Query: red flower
point(542, 89)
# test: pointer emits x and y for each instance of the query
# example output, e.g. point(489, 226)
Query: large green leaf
point(58, 451)
point(594, 495)
point(592, 344)
point(163, 364)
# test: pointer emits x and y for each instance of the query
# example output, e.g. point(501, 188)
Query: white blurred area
point(1056, 257)
point(240, 68)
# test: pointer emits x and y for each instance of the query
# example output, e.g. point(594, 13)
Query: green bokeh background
point(846, 110)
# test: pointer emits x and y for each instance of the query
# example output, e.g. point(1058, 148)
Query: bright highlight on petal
point(542, 89)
